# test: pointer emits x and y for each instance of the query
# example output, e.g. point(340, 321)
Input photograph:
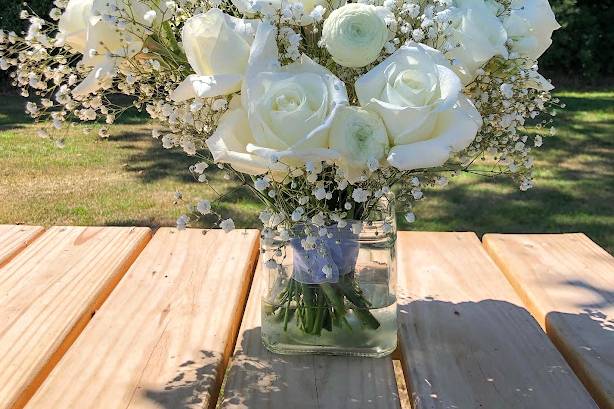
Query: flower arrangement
point(320, 108)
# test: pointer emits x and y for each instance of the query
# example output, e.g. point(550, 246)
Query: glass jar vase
point(332, 289)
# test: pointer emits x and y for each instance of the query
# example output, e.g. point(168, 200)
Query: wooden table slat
point(14, 238)
point(466, 340)
point(49, 292)
point(259, 379)
point(567, 282)
point(163, 337)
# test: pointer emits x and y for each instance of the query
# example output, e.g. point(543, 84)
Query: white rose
point(530, 26)
point(73, 24)
point(477, 35)
point(359, 137)
point(217, 47)
point(355, 34)
point(419, 98)
point(107, 44)
point(285, 113)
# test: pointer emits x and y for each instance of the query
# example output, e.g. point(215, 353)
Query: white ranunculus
point(477, 36)
point(285, 113)
point(107, 44)
point(419, 98)
point(73, 24)
point(530, 26)
point(360, 138)
point(217, 47)
point(355, 34)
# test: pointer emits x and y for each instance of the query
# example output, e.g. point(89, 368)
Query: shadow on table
point(260, 379)
point(495, 351)
point(482, 344)
point(194, 379)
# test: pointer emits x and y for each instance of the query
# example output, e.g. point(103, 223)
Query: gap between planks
point(182, 301)
point(57, 347)
point(15, 238)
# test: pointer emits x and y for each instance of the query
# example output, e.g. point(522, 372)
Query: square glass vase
point(336, 296)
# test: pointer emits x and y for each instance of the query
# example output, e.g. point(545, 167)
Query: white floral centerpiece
point(320, 108)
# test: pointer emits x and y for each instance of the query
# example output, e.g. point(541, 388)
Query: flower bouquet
point(334, 114)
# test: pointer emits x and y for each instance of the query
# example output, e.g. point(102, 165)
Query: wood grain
point(567, 281)
point(49, 292)
point(465, 338)
point(15, 238)
point(259, 379)
point(163, 337)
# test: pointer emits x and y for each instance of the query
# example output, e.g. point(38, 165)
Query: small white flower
point(261, 184)
point(318, 219)
point(227, 225)
point(507, 90)
point(357, 227)
point(320, 193)
point(328, 271)
point(317, 13)
point(538, 141)
point(149, 17)
point(204, 207)
point(182, 222)
point(387, 228)
point(410, 217)
point(265, 216)
point(360, 195)
point(219, 105)
point(297, 214)
point(200, 167)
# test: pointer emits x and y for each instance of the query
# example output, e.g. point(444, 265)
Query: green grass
point(130, 180)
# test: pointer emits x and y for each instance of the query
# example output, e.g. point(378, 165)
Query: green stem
point(362, 306)
point(287, 311)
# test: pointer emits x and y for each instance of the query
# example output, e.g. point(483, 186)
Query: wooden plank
point(15, 238)
point(49, 292)
point(259, 379)
point(466, 339)
point(567, 282)
point(164, 336)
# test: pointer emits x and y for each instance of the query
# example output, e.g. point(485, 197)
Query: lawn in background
point(128, 179)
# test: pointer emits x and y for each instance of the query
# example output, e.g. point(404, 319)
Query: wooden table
point(113, 317)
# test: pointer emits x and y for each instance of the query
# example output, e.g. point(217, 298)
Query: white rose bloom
point(217, 47)
point(419, 98)
point(356, 33)
point(477, 36)
point(106, 45)
point(284, 114)
point(530, 26)
point(73, 23)
point(358, 136)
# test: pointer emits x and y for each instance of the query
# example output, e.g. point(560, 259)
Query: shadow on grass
point(13, 115)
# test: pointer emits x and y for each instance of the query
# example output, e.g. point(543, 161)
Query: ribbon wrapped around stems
point(333, 255)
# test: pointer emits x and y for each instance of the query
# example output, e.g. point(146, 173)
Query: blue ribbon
point(340, 252)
